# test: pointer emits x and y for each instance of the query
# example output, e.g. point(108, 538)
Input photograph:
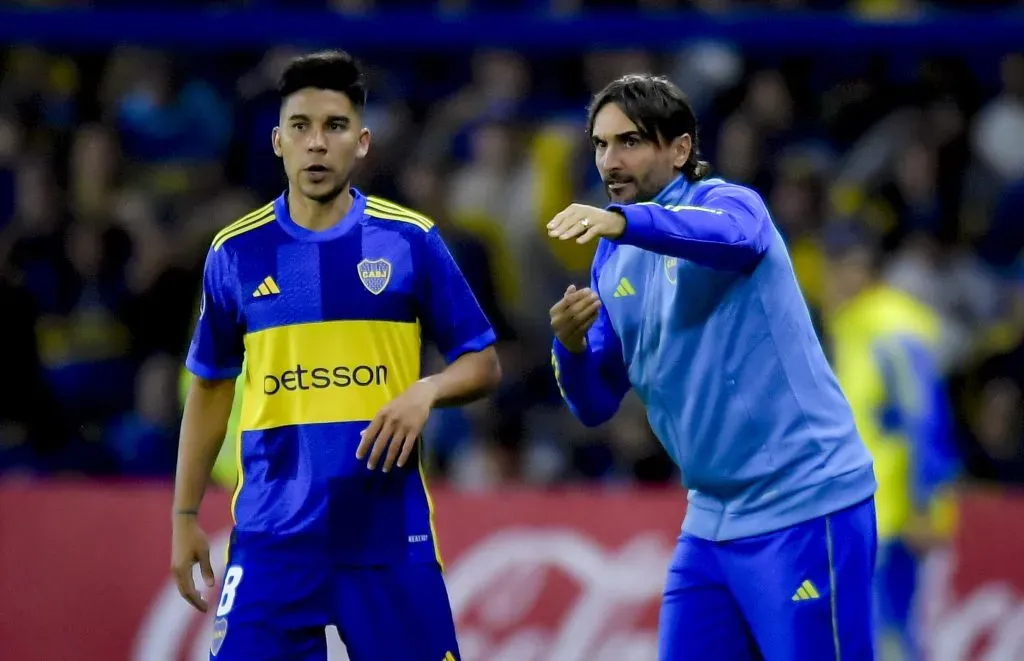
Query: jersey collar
point(284, 219)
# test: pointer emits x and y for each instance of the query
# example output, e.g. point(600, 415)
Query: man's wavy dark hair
point(660, 111)
point(326, 70)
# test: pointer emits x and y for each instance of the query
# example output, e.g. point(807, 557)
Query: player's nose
point(317, 142)
point(609, 161)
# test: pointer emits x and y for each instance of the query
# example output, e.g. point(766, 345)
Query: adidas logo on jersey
point(805, 592)
point(625, 288)
point(266, 288)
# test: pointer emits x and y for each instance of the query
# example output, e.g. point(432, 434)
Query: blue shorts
point(803, 593)
point(275, 606)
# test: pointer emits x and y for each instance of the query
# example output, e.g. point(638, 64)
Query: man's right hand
point(189, 546)
point(573, 316)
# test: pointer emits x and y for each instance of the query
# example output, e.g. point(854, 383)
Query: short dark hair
point(660, 111)
point(326, 70)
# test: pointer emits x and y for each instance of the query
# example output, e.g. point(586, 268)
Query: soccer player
point(325, 292)
point(694, 305)
point(883, 344)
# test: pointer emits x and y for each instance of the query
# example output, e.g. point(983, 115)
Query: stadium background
point(129, 133)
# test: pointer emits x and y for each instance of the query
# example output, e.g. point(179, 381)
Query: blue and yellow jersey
point(883, 355)
point(329, 325)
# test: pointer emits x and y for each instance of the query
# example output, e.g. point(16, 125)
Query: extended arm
point(729, 230)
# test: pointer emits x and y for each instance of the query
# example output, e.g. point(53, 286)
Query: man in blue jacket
point(694, 304)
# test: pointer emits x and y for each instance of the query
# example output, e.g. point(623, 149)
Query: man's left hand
point(397, 426)
point(585, 223)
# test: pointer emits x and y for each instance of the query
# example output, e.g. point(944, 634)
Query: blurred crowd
point(117, 168)
point(866, 7)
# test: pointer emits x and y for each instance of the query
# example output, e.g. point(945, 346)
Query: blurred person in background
point(883, 345)
point(992, 403)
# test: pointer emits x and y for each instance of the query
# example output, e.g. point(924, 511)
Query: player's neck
point(318, 216)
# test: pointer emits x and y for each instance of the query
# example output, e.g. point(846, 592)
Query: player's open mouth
point(316, 173)
point(618, 187)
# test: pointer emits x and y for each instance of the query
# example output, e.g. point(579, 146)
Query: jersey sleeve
point(217, 348)
point(593, 382)
point(449, 311)
point(730, 230)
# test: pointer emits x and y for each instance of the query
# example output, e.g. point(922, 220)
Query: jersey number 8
point(227, 594)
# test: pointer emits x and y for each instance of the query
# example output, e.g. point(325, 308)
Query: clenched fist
point(573, 315)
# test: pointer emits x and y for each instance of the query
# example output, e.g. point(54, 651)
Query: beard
point(627, 190)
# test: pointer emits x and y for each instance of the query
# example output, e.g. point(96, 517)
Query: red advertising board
point(533, 576)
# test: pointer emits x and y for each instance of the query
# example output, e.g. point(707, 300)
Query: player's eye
point(632, 142)
point(299, 126)
point(336, 126)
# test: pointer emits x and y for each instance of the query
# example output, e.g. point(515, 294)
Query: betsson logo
point(319, 378)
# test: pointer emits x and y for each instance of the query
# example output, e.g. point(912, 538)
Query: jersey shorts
point(803, 593)
point(275, 604)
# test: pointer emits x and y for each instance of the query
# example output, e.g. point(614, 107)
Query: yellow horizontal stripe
point(335, 371)
point(259, 221)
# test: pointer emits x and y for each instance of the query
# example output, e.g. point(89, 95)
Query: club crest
point(671, 268)
point(375, 274)
point(220, 630)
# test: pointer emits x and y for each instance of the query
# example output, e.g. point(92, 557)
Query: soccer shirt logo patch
point(375, 274)
point(220, 629)
point(671, 268)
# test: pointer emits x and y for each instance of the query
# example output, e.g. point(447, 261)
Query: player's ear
point(364, 143)
point(275, 140)
point(681, 148)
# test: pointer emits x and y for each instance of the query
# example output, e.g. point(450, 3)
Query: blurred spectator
point(995, 420)
point(118, 165)
point(882, 343)
point(144, 439)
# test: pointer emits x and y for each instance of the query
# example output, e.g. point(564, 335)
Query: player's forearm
point(589, 394)
point(468, 378)
point(207, 409)
point(726, 236)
